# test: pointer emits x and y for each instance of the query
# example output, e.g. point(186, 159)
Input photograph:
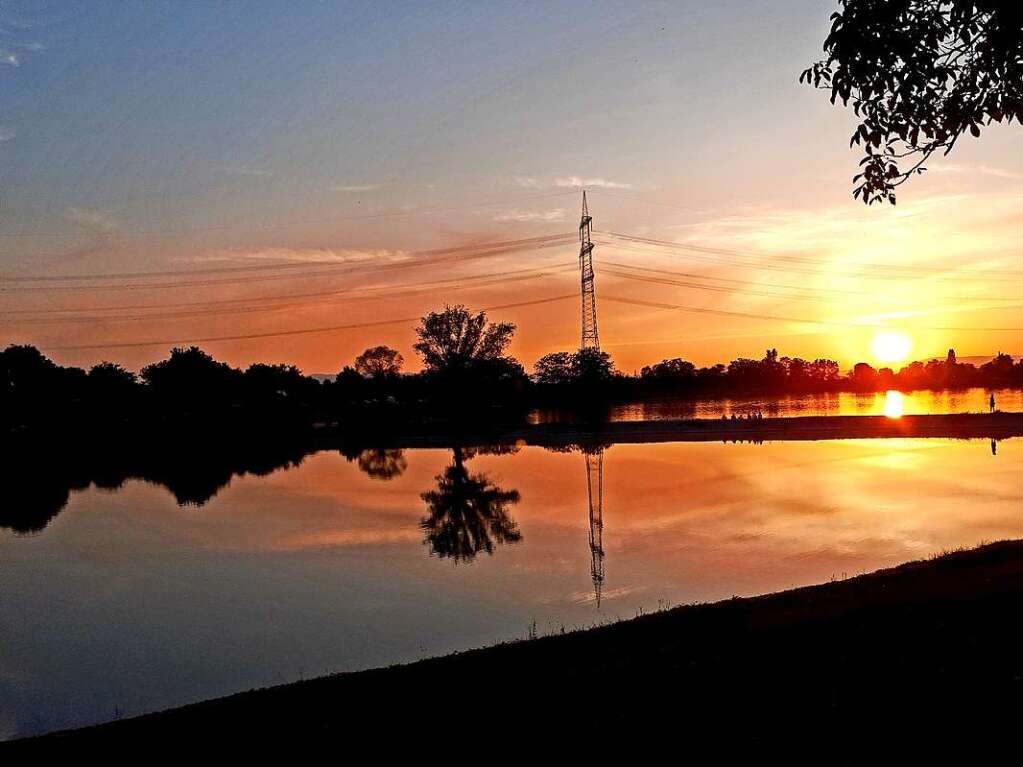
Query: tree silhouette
point(456, 339)
point(589, 366)
point(467, 514)
point(920, 74)
point(379, 362)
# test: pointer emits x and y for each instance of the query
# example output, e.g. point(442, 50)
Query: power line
point(294, 332)
point(801, 320)
point(265, 267)
point(679, 253)
point(758, 284)
point(911, 268)
point(785, 296)
point(335, 270)
point(392, 295)
point(209, 303)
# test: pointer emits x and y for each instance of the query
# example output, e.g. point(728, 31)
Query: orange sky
point(932, 268)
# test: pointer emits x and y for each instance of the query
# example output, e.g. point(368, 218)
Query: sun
point(890, 346)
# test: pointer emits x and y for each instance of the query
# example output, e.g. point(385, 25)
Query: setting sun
point(891, 347)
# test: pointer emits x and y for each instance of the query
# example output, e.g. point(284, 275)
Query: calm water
point(128, 602)
point(841, 403)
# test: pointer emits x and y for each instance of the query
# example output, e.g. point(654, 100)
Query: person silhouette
point(994, 447)
point(991, 402)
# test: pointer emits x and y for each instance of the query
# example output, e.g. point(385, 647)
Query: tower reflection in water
point(595, 495)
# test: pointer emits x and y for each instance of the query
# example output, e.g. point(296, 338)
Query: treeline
point(791, 375)
point(466, 376)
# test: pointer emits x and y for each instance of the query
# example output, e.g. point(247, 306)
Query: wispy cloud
point(244, 170)
point(96, 221)
point(527, 182)
point(9, 57)
point(310, 255)
point(558, 214)
point(570, 182)
point(576, 182)
point(353, 187)
point(6, 134)
point(978, 170)
point(103, 228)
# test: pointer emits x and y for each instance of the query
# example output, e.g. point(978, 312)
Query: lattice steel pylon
point(595, 491)
point(589, 339)
point(594, 458)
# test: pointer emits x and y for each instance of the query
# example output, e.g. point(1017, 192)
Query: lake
point(127, 602)
point(919, 402)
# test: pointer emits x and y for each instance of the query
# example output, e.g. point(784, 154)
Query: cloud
point(103, 227)
point(594, 183)
point(9, 57)
point(529, 183)
point(306, 255)
point(96, 221)
point(570, 182)
point(244, 170)
point(558, 214)
point(6, 134)
point(353, 187)
point(978, 170)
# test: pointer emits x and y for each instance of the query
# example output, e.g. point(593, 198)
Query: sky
point(160, 161)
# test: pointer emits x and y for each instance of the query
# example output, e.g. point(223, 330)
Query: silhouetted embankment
point(926, 655)
point(556, 435)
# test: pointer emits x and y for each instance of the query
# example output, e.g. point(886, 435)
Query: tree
point(379, 362)
point(192, 378)
point(863, 376)
point(276, 380)
point(455, 339)
point(676, 370)
point(583, 366)
point(35, 389)
point(592, 366)
point(920, 74)
point(468, 514)
point(112, 376)
point(554, 368)
point(112, 387)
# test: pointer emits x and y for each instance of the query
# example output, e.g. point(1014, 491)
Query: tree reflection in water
point(468, 514)
point(383, 463)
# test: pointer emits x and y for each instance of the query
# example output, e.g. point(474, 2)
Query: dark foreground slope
point(928, 656)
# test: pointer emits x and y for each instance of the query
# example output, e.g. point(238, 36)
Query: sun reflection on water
point(893, 404)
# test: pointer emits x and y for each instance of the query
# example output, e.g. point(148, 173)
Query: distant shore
point(843, 667)
point(951, 426)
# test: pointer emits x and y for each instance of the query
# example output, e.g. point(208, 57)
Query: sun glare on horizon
point(891, 346)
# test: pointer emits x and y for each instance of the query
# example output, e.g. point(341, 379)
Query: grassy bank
point(927, 654)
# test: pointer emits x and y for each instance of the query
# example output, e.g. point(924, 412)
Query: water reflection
point(38, 487)
point(893, 404)
point(595, 496)
point(468, 514)
point(383, 463)
point(836, 403)
point(323, 567)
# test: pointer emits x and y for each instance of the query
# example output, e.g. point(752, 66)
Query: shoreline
point(949, 426)
point(936, 638)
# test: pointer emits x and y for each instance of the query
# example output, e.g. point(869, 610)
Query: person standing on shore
point(991, 402)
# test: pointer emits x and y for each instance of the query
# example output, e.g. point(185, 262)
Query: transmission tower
point(595, 491)
point(589, 339)
point(594, 458)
